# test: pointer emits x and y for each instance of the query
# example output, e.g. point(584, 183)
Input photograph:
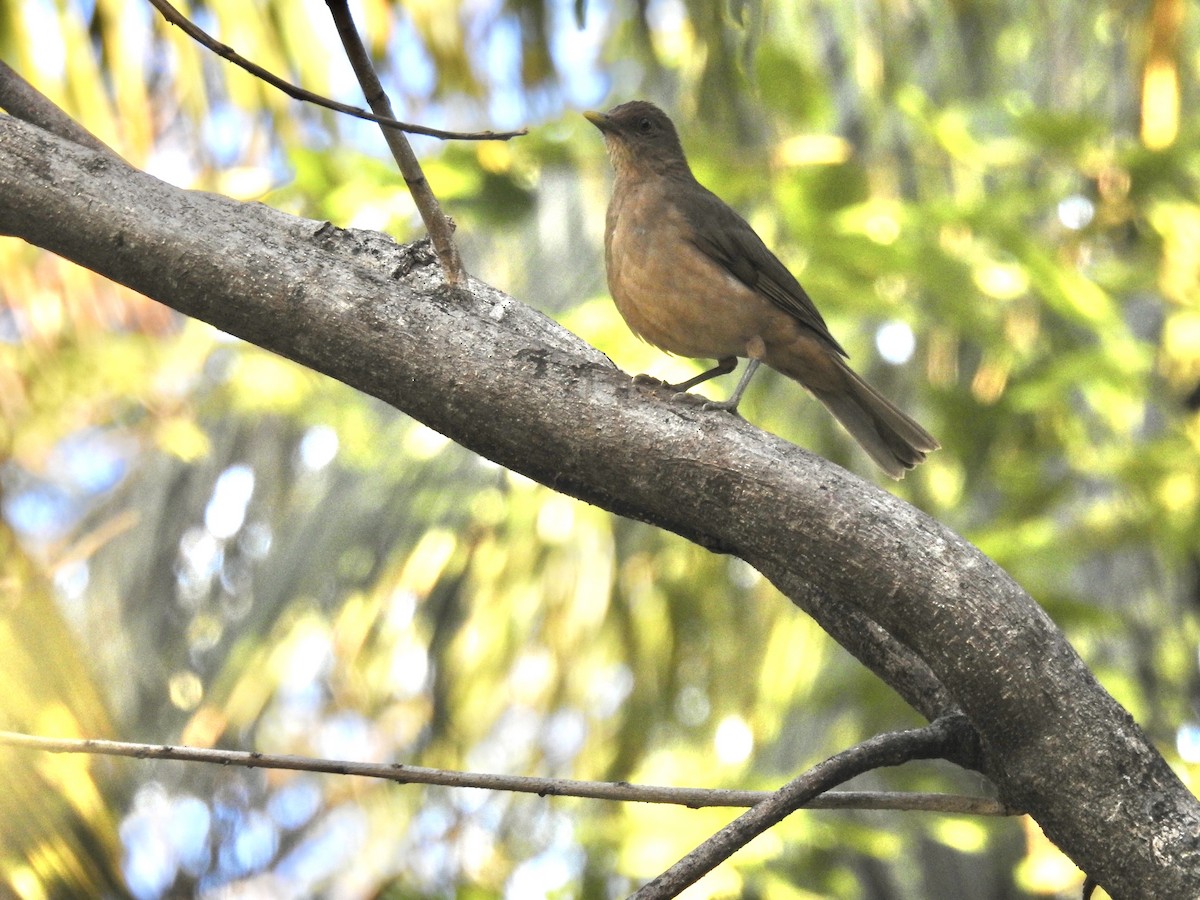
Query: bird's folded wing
point(727, 239)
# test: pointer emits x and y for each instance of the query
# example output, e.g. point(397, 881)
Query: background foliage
point(203, 543)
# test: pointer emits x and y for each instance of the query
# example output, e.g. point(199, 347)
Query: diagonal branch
point(441, 232)
point(950, 738)
point(21, 99)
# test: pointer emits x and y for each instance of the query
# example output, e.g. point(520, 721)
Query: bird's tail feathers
point(889, 437)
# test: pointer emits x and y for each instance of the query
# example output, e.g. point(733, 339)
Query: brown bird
point(690, 276)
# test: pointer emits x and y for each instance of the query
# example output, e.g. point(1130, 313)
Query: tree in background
point(228, 549)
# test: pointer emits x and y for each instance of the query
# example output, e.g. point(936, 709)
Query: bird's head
point(640, 139)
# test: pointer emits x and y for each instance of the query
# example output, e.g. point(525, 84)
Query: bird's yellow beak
point(600, 120)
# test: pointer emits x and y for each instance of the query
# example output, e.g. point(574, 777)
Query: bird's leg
point(723, 367)
point(755, 350)
point(731, 404)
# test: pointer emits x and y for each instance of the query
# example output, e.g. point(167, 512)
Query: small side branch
point(176, 18)
point(947, 738)
point(441, 232)
point(439, 227)
point(23, 101)
point(693, 798)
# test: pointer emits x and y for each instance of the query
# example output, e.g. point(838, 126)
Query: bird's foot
point(729, 406)
point(681, 396)
point(645, 380)
point(659, 385)
point(689, 397)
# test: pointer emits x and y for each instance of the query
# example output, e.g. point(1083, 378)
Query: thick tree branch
point(509, 384)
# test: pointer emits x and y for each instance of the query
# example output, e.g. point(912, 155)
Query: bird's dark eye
point(645, 126)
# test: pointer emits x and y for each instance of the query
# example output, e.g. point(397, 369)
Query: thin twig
point(441, 231)
point(694, 798)
point(224, 51)
point(943, 739)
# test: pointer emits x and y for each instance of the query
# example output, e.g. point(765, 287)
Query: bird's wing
point(726, 238)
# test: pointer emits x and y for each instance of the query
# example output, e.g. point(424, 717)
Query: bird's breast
point(669, 292)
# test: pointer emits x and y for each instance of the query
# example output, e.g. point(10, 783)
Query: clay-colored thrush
point(690, 276)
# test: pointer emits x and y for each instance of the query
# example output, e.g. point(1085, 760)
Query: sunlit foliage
point(994, 204)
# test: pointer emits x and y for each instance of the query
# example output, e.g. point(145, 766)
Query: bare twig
point(224, 51)
point(946, 738)
point(694, 798)
point(22, 100)
point(439, 227)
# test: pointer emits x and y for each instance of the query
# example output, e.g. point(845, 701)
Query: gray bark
point(934, 617)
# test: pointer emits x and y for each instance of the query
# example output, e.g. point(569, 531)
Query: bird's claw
point(645, 380)
point(684, 396)
point(731, 408)
point(659, 385)
point(688, 397)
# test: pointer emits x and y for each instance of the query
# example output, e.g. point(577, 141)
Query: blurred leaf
point(1071, 133)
